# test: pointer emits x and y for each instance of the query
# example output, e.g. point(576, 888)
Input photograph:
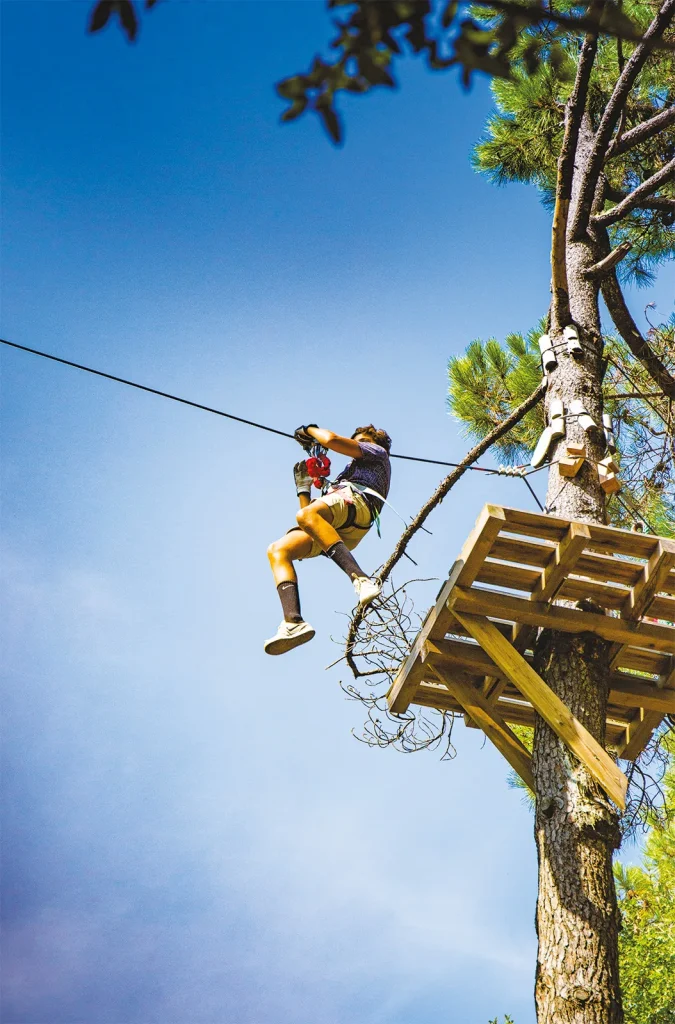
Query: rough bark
point(576, 827)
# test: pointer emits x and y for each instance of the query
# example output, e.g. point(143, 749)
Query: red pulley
point(318, 467)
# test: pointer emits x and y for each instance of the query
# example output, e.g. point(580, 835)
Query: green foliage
point(647, 905)
point(489, 381)
point(507, 1020)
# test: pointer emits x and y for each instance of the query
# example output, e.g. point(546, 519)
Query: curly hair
point(377, 436)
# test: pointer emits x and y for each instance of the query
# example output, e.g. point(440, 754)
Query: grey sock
point(290, 600)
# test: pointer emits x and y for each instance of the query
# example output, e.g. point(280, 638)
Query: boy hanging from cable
point(331, 525)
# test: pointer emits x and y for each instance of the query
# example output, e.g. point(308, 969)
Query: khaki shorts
point(339, 501)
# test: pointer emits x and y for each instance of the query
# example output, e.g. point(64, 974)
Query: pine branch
point(610, 117)
point(616, 304)
point(637, 196)
point(436, 498)
point(641, 133)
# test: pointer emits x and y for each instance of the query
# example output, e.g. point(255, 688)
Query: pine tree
point(600, 147)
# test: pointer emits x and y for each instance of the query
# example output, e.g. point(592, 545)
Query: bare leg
point(283, 552)
point(316, 520)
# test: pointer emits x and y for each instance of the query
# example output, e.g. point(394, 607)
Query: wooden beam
point(667, 681)
point(439, 619)
point(633, 692)
point(493, 725)
point(654, 575)
point(639, 732)
point(569, 620)
point(402, 690)
point(554, 575)
point(549, 706)
point(627, 690)
point(610, 539)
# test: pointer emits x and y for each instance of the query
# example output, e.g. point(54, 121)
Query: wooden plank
point(456, 655)
point(645, 722)
point(534, 524)
point(622, 542)
point(651, 580)
point(604, 538)
point(654, 575)
point(606, 595)
point(608, 570)
point(632, 692)
point(402, 689)
point(439, 618)
point(512, 577)
point(550, 707)
point(437, 697)
point(509, 549)
point(494, 727)
point(638, 660)
point(662, 608)
point(669, 585)
point(569, 620)
point(562, 561)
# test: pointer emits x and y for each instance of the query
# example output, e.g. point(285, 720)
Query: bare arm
point(336, 443)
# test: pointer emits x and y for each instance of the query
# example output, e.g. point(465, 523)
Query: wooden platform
point(520, 571)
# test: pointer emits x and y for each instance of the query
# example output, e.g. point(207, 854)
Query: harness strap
point(351, 519)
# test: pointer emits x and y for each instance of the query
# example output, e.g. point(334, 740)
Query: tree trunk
point(576, 826)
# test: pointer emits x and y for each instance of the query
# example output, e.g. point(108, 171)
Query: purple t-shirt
point(371, 469)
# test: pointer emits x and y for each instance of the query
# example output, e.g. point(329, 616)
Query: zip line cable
point(206, 408)
point(143, 387)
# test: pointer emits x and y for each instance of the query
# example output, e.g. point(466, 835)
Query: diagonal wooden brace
point(548, 705)
point(486, 716)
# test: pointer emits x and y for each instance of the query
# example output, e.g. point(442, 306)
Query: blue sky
point(191, 835)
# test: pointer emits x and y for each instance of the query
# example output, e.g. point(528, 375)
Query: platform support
point(548, 705)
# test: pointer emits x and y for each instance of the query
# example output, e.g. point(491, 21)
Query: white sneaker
point(367, 589)
point(289, 635)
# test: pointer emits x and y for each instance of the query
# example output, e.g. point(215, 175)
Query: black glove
point(303, 438)
point(303, 481)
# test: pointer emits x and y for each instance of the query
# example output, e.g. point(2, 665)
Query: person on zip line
point(331, 525)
